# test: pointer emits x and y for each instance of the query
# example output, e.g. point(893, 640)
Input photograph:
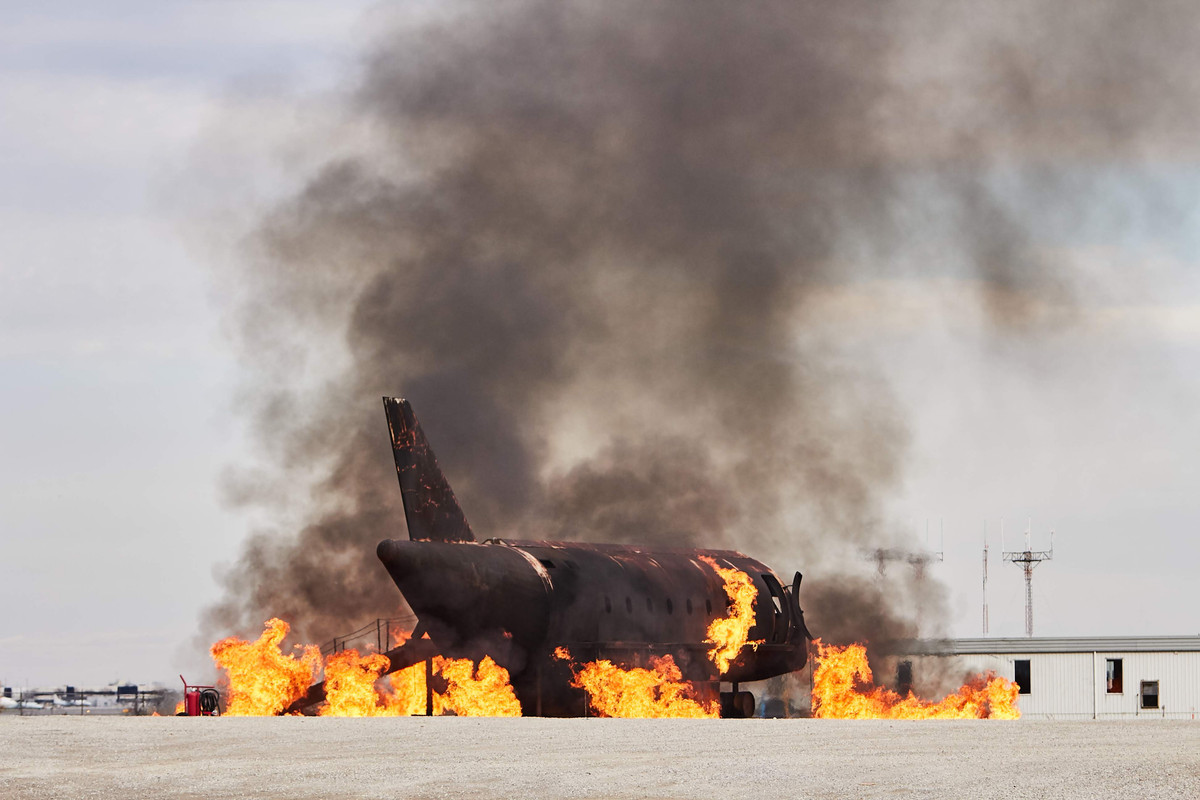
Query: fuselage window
point(629, 605)
point(607, 606)
point(649, 604)
point(670, 606)
point(689, 605)
point(708, 605)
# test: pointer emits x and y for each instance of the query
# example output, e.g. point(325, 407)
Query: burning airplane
point(540, 609)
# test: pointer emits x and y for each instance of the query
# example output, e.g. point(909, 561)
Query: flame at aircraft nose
point(729, 634)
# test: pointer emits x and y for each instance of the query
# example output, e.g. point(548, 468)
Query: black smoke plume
point(593, 242)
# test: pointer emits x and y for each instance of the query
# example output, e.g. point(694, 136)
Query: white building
point(1102, 678)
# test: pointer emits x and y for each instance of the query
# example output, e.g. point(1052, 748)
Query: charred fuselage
point(518, 601)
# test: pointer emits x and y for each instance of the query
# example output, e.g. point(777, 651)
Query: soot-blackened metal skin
point(519, 600)
point(430, 508)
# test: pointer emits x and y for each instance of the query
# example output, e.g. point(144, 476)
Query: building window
point(904, 680)
point(1021, 675)
point(1113, 676)
point(1149, 694)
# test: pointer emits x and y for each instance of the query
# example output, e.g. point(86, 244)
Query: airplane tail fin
point(430, 508)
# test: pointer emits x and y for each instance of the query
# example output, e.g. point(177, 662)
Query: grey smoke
point(586, 243)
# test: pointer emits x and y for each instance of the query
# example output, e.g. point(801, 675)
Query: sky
point(119, 150)
point(115, 411)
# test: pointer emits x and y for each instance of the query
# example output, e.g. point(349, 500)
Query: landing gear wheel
point(737, 705)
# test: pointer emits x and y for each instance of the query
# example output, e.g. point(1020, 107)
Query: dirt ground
point(414, 757)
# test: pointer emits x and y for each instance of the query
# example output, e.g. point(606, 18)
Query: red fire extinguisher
point(200, 701)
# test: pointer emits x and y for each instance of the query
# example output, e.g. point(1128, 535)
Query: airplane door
point(781, 609)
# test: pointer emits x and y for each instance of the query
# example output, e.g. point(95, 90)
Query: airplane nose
point(464, 591)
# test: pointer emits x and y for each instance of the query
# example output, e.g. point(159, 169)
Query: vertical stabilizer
point(430, 508)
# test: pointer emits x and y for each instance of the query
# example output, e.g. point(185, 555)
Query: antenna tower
point(917, 559)
point(985, 565)
point(1028, 559)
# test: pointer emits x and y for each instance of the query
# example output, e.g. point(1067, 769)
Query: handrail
point(380, 628)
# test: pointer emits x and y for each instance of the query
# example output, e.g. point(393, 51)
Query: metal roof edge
point(1054, 644)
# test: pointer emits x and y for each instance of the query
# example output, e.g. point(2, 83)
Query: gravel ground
point(414, 757)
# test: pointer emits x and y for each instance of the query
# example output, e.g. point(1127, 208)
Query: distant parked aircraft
point(9, 702)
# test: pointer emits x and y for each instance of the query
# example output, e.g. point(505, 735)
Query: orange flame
point(661, 691)
point(842, 690)
point(262, 680)
point(731, 633)
point(472, 692)
point(406, 695)
point(350, 685)
point(655, 693)
point(179, 708)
